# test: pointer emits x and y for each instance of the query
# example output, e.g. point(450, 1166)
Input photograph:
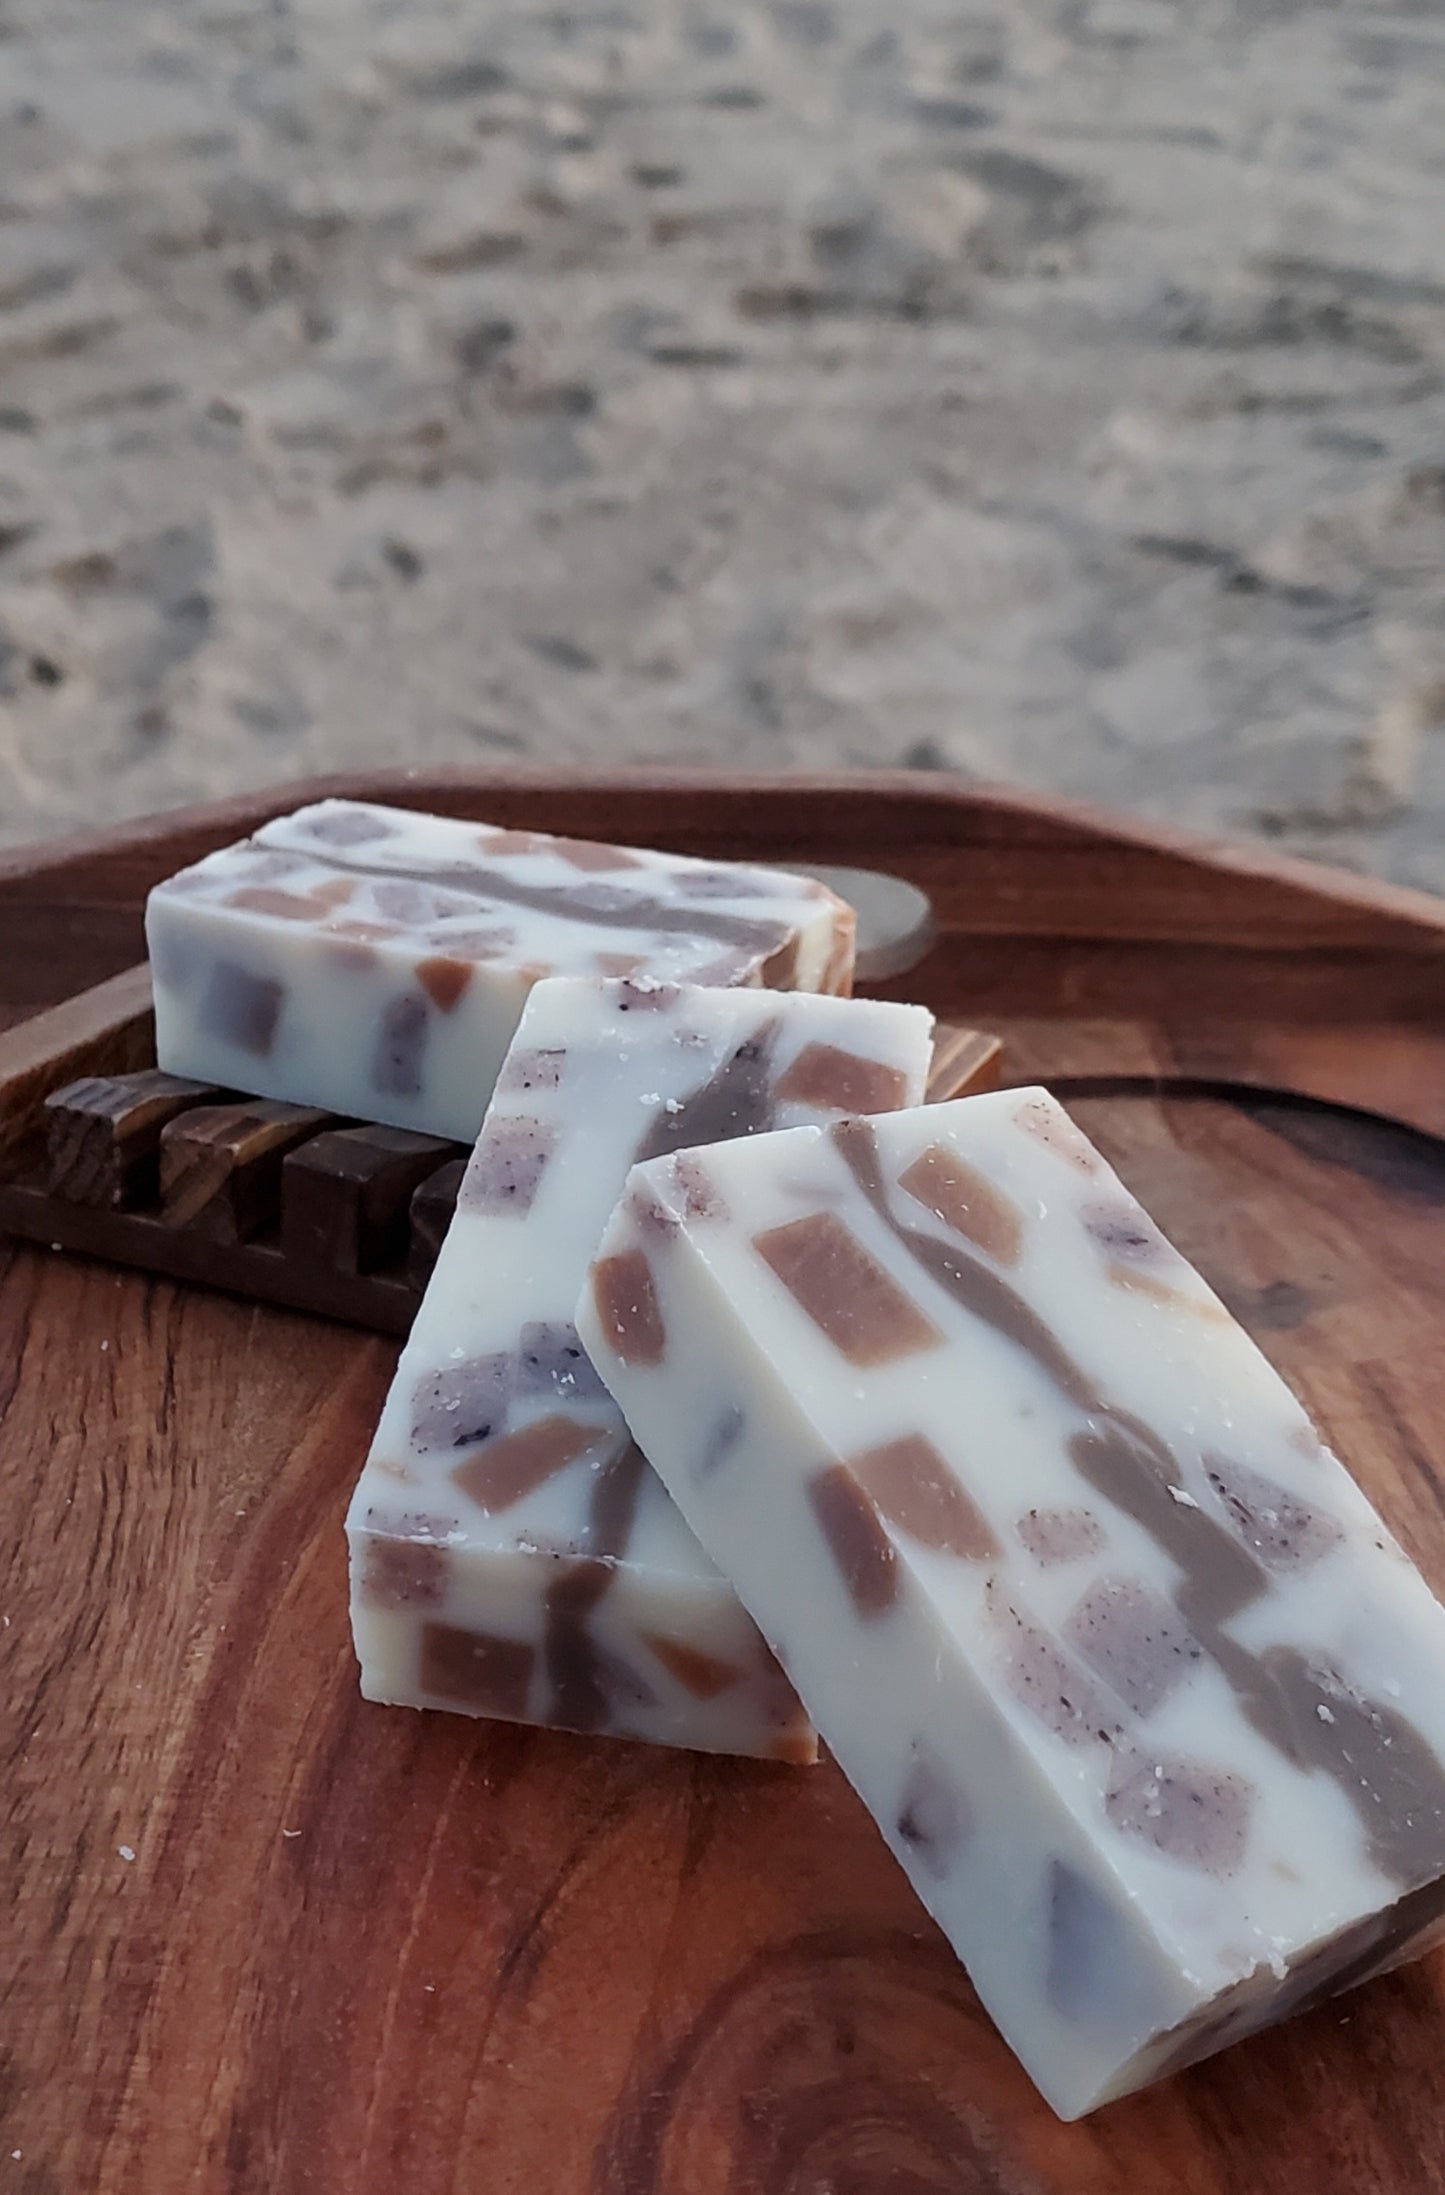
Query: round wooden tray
point(264, 1937)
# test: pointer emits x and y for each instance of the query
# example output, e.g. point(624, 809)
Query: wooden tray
point(264, 1937)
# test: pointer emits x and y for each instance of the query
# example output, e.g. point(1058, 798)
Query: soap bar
point(511, 1553)
point(1137, 1686)
point(375, 962)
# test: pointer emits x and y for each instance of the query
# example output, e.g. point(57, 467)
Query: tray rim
point(1419, 912)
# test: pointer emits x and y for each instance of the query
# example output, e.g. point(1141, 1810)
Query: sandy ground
point(1050, 390)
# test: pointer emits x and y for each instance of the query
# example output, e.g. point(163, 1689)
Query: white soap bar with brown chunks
point(1139, 1688)
point(375, 961)
point(512, 1555)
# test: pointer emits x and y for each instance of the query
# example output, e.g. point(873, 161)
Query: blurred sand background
point(1050, 390)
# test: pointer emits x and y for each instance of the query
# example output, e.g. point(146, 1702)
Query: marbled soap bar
point(1141, 1692)
point(375, 962)
point(512, 1555)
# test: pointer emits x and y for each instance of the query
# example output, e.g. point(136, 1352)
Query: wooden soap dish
point(103, 1154)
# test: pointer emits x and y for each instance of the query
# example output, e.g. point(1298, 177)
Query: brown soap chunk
point(826, 1076)
point(513, 842)
point(703, 1675)
point(586, 853)
point(433, 1207)
point(627, 1305)
point(267, 899)
point(507, 1166)
point(860, 1547)
point(794, 1743)
point(220, 1165)
point(945, 1185)
point(1057, 1133)
point(792, 1737)
point(475, 1669)
point(403, 1574)
point(240, 1008)
point(779, 971)
point(444, 980)
point(103, 1135)
point(346, 1195)
point(914, 1487)
point(845, 1291)
point(838, 969)
point(515, 1463)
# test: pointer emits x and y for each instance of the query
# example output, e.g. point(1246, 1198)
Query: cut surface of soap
point(1138, 1687)
point(512, 1554)
point(375, 961)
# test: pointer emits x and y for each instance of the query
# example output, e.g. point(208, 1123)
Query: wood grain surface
point(264, 1938)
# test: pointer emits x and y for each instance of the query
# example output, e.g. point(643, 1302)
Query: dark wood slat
point(432, 1208)
point(346, 1195)
point(103, 1134)
point(385, 1303)
point(221, 1165)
